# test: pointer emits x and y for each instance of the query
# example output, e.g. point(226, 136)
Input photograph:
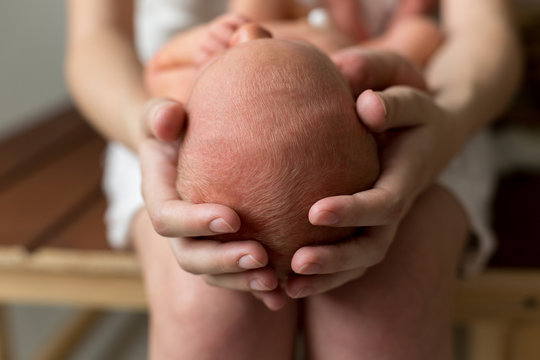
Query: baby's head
point(271, 129)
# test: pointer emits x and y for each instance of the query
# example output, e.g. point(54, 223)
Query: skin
point(172, 72)
point(292, 125)
point(465, 75)
point(102, 31)
point(367, 331)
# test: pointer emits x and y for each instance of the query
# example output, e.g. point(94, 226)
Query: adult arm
point(106, 81)
point(104, 75)
point(471, 83)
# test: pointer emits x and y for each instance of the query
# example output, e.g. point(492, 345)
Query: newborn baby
point(271, 129)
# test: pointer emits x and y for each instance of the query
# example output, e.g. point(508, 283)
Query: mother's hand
point(238, 265)
point(414, 139)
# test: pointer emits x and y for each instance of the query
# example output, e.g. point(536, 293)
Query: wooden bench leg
point(65, 341)
point(488, 340)
point(4, 342)
point(525, 341)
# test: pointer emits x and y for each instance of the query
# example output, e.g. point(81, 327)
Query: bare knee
point(402, 308)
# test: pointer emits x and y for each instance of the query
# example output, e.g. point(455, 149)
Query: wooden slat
point(35, 147)
point(63, 343)
point(488, 340)
point(82, 262)
point(100, 291)
point(5, 353)
point(525, 341)
point(500, 294)
point(38, 204)
point(86, 232)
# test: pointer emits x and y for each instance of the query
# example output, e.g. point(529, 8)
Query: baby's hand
point(218, 36)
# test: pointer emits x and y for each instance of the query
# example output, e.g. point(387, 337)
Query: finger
point(262, 280)
point(224, 27)
point(212, 45)
point(164, 119)
point(303, 286)
point(172, 217)
point(232, 20)
point(274, 300)
point(362, 251)
point(374, 207)
point(207, 256)
point(395, 107)
point(222, 35)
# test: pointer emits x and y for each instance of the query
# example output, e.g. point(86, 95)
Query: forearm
point(477, 70)
point(103, 72)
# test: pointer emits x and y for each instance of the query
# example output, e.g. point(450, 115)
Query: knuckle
point(377, 257)
point(156, 217)
point(395, 210)
point(188, 267)
point(210, 280)
point(221, 266)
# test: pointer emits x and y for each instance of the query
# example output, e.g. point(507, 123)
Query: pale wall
point(32, 36)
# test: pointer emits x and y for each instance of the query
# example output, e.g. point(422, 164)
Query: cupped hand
point(239, 265)
point(413, 135)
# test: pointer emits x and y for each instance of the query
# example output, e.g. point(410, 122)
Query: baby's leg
point(172, 70)
point(192, 320)
point(401, 309)
point(416, 38)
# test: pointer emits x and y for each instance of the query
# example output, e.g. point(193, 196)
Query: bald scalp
point(271, 129)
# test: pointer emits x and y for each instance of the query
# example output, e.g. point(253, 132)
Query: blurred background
point(32, 90)
point(31, 76)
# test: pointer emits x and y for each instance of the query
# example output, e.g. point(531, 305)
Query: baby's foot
point(376, 69)
point(218, 36)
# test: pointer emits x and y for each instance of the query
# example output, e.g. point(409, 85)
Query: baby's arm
point(411, 35)
point(172, 70)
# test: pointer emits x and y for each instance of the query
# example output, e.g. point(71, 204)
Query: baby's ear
point(248, 32)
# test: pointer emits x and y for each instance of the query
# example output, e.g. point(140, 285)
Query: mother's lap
point(403, 303)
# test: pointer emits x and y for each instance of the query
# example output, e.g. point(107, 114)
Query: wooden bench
point(52, 237)
point(53, 249)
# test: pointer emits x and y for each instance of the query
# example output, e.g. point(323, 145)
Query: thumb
point(395, 107)
point(164, 119)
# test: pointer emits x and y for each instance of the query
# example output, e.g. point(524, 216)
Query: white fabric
point(157, 20)
point(122, 188)
point(469, 177)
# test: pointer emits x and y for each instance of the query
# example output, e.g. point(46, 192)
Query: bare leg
point(192, 320)
point(401, 309)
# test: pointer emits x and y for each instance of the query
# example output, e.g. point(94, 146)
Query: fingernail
point(303, 292)
point(249, 262)
point(258, 286)
point(310, 269)
point(220, 226)
point(381, 100)
point(327, 218)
